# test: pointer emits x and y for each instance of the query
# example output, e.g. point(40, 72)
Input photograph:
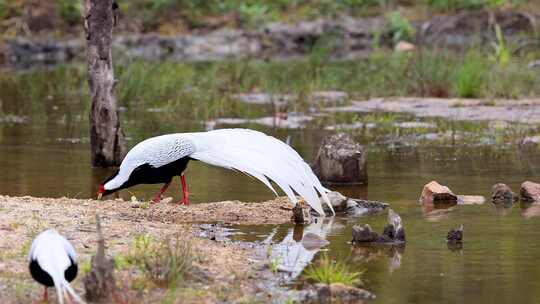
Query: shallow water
point(47, 155)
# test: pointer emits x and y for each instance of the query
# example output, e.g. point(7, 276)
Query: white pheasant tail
point(263, 157)
point(251, 152)
point(55, 254)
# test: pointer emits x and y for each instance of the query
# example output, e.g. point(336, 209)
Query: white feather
point(53, 252)
point(263, 157)
point(156, 151)
point(254, 153)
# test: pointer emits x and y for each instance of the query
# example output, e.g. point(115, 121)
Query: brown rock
point(502, 194)
point(341, 160)
point(340, 293)
point(435, 193)
point(530, 192)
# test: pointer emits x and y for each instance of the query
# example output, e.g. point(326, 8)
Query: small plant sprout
point(328, 272)
point(164, 262)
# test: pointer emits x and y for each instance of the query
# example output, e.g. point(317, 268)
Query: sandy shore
point(228, 268)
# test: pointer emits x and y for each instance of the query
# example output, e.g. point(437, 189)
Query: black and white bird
point(53, 263)
point(158, 159)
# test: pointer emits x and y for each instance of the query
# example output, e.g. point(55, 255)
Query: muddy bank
point(522, 111)
point(346, 38)
point(225, 270)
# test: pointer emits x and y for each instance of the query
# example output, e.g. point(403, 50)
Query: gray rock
point(502, 194)
point(455, 235)
point(358, 207)
point(363, 234)
point(393, 234)
point(341, 160)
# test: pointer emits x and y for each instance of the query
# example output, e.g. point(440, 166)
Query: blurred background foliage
point(176, 16)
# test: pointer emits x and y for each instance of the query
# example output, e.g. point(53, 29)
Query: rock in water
point(363, 234)
point(358, 207)
point(341, 160)
point(530, 192)
point(393, 231)
point(435, 193)
point(338, 201)
point(455, 235)
point(350, 206)
point(338, 293)
point(471, 199)
point(502, 194)
point(393, 234)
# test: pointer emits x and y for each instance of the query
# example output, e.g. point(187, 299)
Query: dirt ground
point(225, 270)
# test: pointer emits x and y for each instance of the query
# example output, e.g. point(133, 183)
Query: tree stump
point(99, 283)
point(341, 160)
point(107, 140)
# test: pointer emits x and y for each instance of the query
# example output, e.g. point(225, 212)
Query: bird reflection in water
point(299, 246)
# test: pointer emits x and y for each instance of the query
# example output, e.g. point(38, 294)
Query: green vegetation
point(451, 5)
point(399, 27)
point(206, 90)
point(470, 77)
point(176, 16)
point(165, 262)
point(328, 272)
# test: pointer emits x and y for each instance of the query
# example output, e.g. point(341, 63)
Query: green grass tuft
point(165, 262)
point(328, 272)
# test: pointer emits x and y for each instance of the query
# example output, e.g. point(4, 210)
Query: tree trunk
point(106, 137)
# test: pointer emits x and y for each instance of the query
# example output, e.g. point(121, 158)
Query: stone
point(358, 207)
point(351, 206)
point(435, 193)
point(404, 46)
point(471, 199)
point(329, 96)
point(363, 234)
point(341, 160)
point(455, 235)
point(339, 293)
point(393, 234)
point(530, 192)
point(535, 64)
point(502, 194)
point(338, 201)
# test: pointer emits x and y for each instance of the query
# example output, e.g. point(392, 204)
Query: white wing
point(263, 157)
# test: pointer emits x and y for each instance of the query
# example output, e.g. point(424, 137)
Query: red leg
point(45, 295)
point(157, 197)
point(185, 192)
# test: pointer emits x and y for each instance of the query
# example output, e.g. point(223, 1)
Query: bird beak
point(99, 195)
